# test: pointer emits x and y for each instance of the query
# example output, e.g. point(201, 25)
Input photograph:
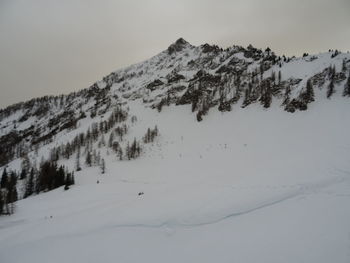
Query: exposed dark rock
point(154, 84)
point(206, 48)
point(179, 45)
point(175, 77)
point(296, 104)
point(225, 106)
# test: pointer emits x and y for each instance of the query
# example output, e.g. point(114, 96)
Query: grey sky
point(59, 46)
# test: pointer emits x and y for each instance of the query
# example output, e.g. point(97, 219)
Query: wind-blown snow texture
point(246, 185)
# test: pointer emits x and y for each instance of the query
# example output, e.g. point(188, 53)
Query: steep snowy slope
point(249, 185)
point(245, 184)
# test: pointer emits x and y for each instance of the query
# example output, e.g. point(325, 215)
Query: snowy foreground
point(246, 186)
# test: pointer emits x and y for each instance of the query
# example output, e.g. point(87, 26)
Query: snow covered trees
point(150, 135)
point(133, 150)
point(51, 176)
point(307, 96)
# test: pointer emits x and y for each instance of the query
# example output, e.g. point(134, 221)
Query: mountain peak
point(178, 45)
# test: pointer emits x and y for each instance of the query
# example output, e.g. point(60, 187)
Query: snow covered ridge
point(101, 118)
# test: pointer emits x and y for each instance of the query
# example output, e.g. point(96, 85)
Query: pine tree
point(1, 202)
point(103, 141)
point(273, 77)
point(59, 177)
point(67, 182)
point(12, 195)
point(88, 159)
point(72, 178)
point(77, 161)
point(111, 139)
point(344, 66)
point(279, 78)
point(120, 153)
point(247, 95)
point(127, 151)
point(330, 89)
point(23, 174)
point(4, 179)
point(286, 99)
point(310, 95)
point(346, 92)
point(268, 50)
point(30, 184)
point(94, 158)
point(25, 165)
point(103, 166)
point(266, 96)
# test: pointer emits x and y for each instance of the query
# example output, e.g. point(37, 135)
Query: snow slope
point(249, 185)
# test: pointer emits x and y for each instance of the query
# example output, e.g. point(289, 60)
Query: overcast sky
point(59, 46)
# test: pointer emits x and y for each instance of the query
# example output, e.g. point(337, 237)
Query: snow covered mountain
point(198, 154)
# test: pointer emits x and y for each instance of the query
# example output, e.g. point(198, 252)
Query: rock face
point(154, 84)
point(179, 45)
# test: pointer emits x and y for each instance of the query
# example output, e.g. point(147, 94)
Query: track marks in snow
point(299, 190)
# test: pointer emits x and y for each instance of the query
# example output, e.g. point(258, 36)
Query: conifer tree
point(279, 78)
point(103, 166)
point(23, 174)
point(127, 151)
point(77, 161)
point(273, 77)
point(25, 165)
point(346, 92)
point(103, 141)
point(111, 139)
point(344, 66)
point(12, 195)
point(286, 98)
point(330, 89)
point(1, 202)
point(266, 96)
point(67, 182)
point(120, 154)
point(94, 158)
point(4, 179)
point(30, 184)
point(88, 159)
point(310, 96)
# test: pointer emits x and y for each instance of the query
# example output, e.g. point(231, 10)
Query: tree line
point(48, 177)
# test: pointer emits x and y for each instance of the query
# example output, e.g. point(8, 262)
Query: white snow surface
point(250, 185)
